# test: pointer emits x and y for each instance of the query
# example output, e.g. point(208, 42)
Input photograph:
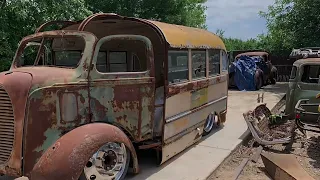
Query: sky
point(238, 18)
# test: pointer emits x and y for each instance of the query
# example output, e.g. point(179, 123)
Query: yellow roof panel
point(187, 37)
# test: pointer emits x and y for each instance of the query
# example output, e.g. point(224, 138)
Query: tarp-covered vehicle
point(265, 72)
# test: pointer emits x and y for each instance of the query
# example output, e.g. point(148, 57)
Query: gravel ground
point(306, 149)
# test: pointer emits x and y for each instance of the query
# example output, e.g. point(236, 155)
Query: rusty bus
point(80, 99)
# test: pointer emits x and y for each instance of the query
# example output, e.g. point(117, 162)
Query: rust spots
point(194, 86)
point(78, 147)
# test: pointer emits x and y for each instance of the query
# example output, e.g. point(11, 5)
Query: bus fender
point(67, 157)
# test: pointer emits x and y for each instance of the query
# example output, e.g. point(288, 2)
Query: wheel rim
point(109, 162)
point(209, 123)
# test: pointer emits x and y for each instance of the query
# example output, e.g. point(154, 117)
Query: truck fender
point(67, 157)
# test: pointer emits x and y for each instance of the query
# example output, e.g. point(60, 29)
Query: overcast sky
point(238, 18)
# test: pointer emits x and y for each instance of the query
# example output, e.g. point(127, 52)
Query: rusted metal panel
point(284, 167)
point(17, 86)
point(45, 121)
point(73, 150)
point(191, 136)
point(63, 23)
point(125, 99)
point(186, 96)
point(254, 53)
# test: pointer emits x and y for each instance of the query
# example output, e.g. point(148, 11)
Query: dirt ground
point(305, 148)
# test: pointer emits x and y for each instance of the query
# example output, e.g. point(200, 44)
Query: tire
point(211, 122)
point(259, 81)
point(92, 170)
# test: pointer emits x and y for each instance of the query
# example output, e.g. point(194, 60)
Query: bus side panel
point(189, 128)
point(186, 113)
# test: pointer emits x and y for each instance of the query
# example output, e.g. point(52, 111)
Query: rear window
point(293, 72)
point(310, 74)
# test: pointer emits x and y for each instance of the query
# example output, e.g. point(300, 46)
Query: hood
point(46, 76)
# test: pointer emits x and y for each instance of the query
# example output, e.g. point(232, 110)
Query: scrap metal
point(284, 167)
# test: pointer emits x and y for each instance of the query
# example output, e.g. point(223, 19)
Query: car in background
point(265, 73)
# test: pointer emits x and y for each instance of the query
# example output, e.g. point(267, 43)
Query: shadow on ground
point(148, 159)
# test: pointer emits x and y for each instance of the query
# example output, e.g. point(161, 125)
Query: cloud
point(239, 18)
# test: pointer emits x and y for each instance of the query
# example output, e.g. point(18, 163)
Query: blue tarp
point(244, 72)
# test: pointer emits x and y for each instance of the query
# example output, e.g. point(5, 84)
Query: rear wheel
point(110, 162)
point(211, 122)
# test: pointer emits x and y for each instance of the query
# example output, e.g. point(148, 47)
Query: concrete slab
point(200, 160)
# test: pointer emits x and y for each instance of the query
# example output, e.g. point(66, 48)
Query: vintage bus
point(81, 97)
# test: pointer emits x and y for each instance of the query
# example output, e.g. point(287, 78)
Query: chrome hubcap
point(109, 162)
point(209, 123)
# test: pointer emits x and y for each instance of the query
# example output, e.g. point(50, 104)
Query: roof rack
point(308, 52)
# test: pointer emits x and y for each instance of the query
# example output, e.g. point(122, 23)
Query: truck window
point(198, 64)
point(214, 62)
point(118, 62)
point(178, 66)
point(293, 72)
point(52, 51)
point(120, 56)
point(310, 74)
point(102, 62)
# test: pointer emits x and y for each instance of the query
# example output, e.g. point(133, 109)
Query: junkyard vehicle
point(266, 73)
point(79, 100)
point(307, 115)
point(304, 79)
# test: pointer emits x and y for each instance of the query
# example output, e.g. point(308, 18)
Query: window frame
point(191, 70)
point(222, 70)
point(302, 71)
point(187, 51)
point(216, 74)
point(295, 74)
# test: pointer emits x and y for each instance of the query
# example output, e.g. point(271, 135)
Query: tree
point(182, 12)
point(238, 44)
point(21, 17)
point(293, 24)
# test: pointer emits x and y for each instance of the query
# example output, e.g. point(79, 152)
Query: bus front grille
point(6, 126)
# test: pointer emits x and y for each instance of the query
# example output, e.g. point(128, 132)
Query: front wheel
point(110, 162)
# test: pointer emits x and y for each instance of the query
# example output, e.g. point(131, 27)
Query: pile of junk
point(298, 110)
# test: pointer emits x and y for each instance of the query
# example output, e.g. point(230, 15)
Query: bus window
point(178, 66)
point(198, 64)
point(214, 62)
point(224, 61)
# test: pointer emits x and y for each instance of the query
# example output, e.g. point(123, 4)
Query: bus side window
point(198, 64)
point(178, 66)
point(214, 62)
point(224, 61)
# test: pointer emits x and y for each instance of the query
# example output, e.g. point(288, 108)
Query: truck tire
point(258, 80)
point(114, 170)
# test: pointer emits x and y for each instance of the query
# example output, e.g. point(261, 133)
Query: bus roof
point(176, 36)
